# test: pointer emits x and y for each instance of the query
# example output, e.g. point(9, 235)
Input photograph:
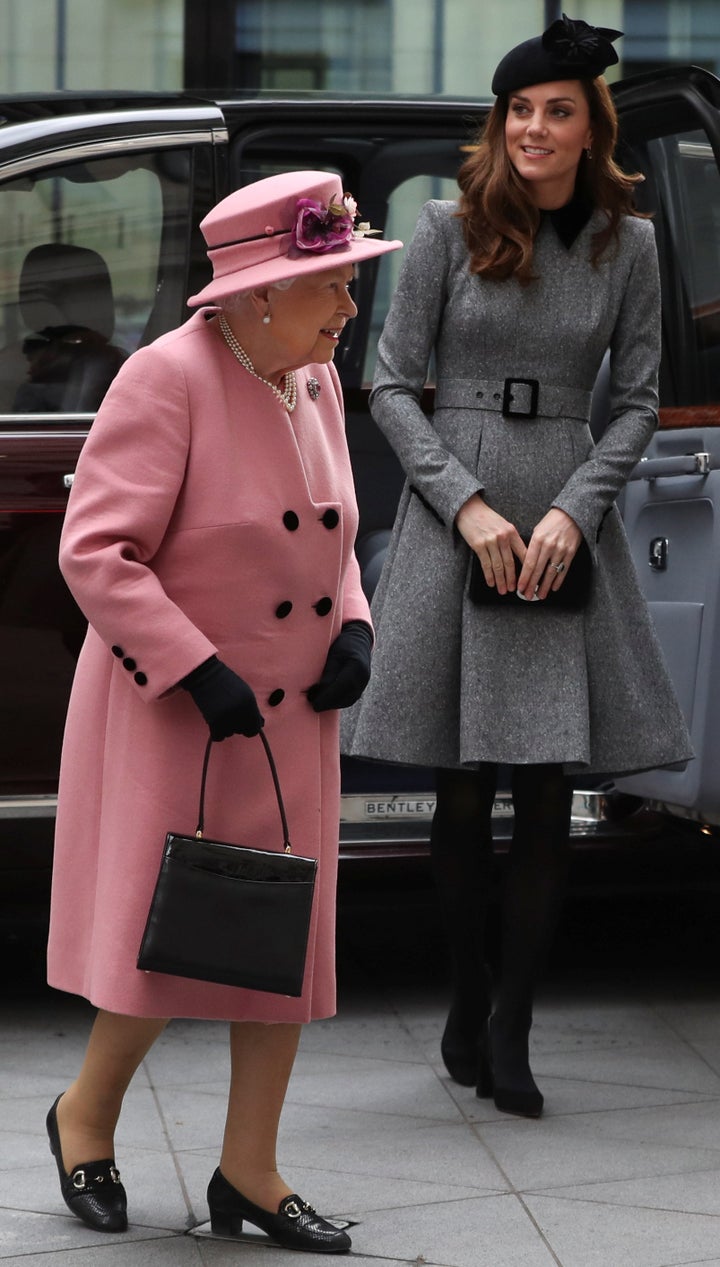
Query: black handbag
point(228, 913)
point(573, 594)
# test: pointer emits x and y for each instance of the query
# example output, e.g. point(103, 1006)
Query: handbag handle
point(276, 783)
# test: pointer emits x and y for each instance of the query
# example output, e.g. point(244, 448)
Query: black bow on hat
point(569, 49)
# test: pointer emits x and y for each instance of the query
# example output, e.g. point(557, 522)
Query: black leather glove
point(347, 669)
point(225, 700)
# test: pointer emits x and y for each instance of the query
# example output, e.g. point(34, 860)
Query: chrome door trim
point(38, 130)
point(108, 146)
point(63, 419)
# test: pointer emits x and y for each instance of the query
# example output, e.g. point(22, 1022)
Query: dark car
point(100, 202)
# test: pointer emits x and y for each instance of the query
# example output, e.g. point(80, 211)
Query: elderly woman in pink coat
point(209, 540)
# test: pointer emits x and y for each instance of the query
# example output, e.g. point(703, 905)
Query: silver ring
point(559, 568)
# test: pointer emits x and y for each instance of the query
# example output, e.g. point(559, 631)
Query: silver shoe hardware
point(293, 1210)
point(80, 1181)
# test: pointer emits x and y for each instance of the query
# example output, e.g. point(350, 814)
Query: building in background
point(369, 46)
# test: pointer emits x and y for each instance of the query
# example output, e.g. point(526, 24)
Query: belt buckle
point(508, 411)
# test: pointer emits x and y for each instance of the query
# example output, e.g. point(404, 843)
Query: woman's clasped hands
point(544, 561)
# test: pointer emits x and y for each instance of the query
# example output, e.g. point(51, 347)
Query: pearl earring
point(266, 319)
point(589, 152)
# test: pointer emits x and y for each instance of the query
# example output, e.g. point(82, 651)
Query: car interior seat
point(66, 302)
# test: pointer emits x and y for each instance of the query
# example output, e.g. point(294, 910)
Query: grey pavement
point(623, 1170)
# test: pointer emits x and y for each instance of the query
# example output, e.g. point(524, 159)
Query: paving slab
point(174, 1252)
point(465, 1233)
point(597, 1234)
point(385, 1145)
point(588, 1148)
point(378, 1086)
point(375, 1030)
point(24, 1233)
point(692, 1192)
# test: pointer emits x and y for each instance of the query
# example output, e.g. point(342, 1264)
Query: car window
point(404, 205)
point(81, 246)
point(695, 228)
point(684, 195)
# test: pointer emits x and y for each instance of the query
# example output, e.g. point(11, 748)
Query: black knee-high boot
point(461, 856)
point(534, 891)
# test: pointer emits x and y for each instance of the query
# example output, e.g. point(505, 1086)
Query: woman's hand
point(347, 669)
point(553, 545)
point(225, 700)
point(496, 542)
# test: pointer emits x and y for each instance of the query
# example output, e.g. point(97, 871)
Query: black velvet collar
point(569, 221)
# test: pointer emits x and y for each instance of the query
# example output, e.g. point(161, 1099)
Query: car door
point(99, 206)
point(671, 132)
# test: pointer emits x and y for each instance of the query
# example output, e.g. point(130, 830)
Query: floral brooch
point(318, 228)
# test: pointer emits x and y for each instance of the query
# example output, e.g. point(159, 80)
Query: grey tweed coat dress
point(454, 684)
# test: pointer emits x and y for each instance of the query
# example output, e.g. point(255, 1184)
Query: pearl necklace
point(288, 396)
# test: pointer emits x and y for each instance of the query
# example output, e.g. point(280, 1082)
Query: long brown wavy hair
point(499, 220)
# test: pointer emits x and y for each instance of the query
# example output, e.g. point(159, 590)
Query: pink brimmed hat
point(280, 227)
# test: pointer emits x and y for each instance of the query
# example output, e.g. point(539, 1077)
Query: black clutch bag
point(231, 914)
point(573, 594)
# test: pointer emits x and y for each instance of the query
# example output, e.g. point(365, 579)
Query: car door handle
point(68, 480)
point(681, 464)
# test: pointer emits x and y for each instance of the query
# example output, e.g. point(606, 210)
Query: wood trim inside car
point(674, 418)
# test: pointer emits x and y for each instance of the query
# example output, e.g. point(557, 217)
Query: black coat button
point(276, 697)
point(141, 679)
point(129, 663)
point(331, 518)
point(323, 606)
point(118, 651)
point(291, 520)
point(284, 609)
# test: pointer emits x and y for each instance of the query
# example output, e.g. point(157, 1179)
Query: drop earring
point(266, 319)
point(589, 152)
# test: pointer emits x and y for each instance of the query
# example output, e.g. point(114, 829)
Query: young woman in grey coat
point(518, 290)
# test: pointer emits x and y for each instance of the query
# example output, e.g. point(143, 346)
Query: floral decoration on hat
point(319, 228)
point(575, 41)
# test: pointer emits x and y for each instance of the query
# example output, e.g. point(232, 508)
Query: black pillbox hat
point(569, 49)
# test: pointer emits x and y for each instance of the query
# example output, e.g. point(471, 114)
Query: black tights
point(461, 855)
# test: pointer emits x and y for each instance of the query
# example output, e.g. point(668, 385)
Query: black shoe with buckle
point(92, 1191)
point(295, 1226)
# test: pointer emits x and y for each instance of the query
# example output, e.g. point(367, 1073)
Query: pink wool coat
point(203, 519)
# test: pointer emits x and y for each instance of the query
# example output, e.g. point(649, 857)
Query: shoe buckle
point(293, 1210)
point(78, 1180)
point(114, 1174)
